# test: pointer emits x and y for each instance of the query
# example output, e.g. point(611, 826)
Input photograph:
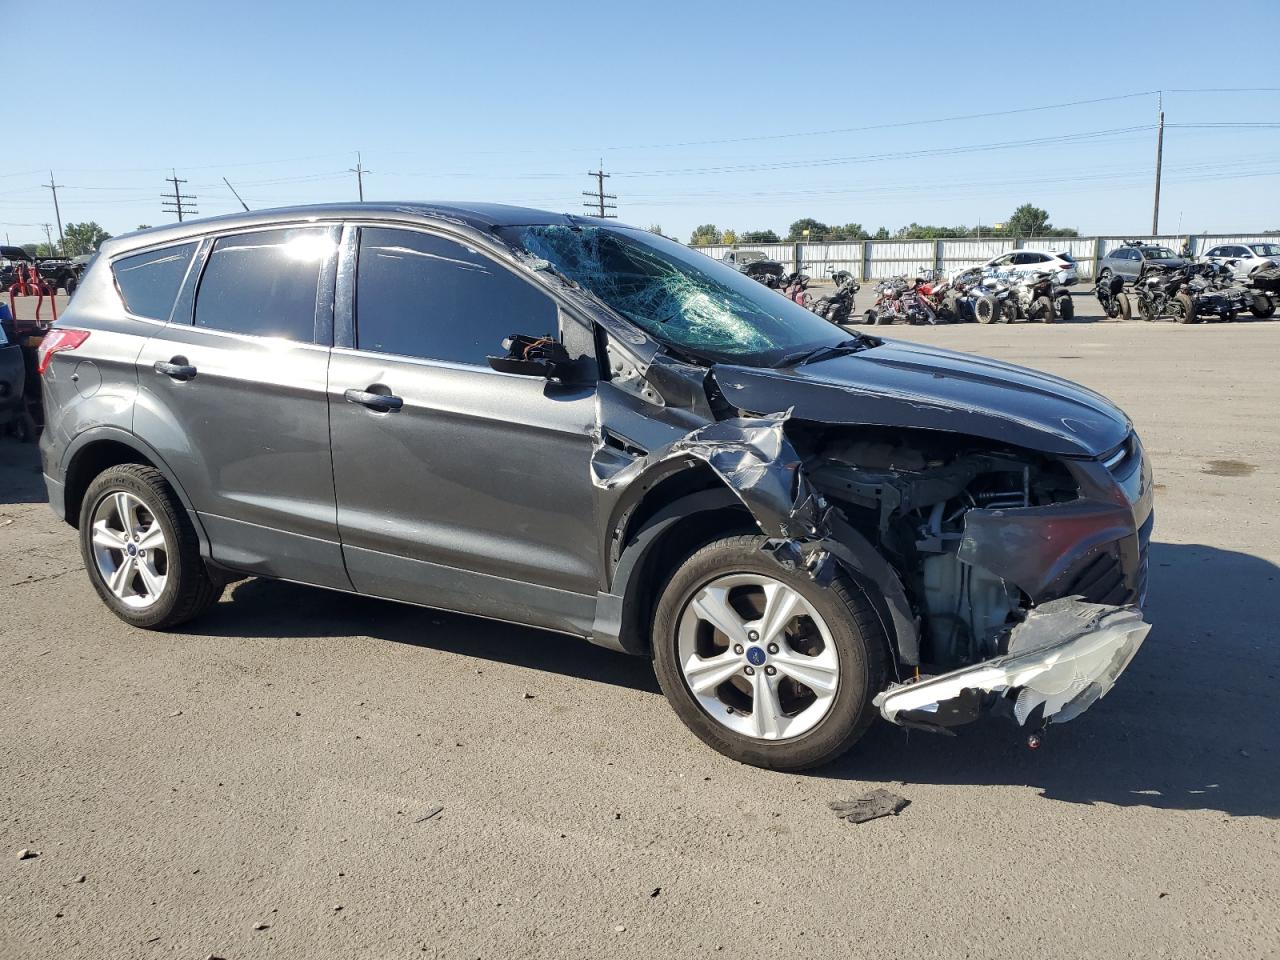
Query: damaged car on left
point(567, 423)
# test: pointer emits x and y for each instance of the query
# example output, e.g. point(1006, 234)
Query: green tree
point(759, 236)
point(850, 231)
point(81, 238)
point(881, 234)
point(705, 234)
point(729, 236)
point(39, 249)
point(817, 229)
point(1027, 221)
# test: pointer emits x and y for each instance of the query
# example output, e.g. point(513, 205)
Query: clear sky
point(747, 115)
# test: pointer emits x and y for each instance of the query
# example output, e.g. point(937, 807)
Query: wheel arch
point(99, 449)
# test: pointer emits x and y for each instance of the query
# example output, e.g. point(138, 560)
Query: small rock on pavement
point(28, 854)
point(432, 811)
point(176, 713)
point(528, 696)
point(261, 926)
point(81, 878)
point(619, 929)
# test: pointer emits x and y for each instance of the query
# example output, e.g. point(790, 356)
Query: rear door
point(474, 493)
point(232, 395)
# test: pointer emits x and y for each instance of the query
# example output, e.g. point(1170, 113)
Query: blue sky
point(742, 114)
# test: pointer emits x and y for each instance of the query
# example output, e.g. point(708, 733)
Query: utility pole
point(182, 203)
point(48, 237)
point(233, 190)
point(359, 170)
point(1155, 210)
point(57, 214)
point(599, 195)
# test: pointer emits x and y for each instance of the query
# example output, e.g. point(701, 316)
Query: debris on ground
point(869, 806)
point(261, 926)
point(432, 811)
point(28, 854)
point(80, 879)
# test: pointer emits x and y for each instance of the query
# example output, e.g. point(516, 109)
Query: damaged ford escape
point(567, 423)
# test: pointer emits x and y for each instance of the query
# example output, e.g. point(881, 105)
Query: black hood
point(902, 384)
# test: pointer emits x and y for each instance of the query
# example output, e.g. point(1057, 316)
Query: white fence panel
point(890, 258)
point(958, 254)
point(821, 260)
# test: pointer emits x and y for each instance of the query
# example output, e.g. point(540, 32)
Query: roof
point(477, 216)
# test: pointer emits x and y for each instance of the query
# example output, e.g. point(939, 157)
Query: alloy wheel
point(757, 656)
point(129, 549)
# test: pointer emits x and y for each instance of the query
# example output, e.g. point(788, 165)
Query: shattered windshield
point(682, 298)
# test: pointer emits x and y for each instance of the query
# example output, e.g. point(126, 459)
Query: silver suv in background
point(1128, 261)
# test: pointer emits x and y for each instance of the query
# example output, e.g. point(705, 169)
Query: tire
point(1125, 309)
point(1183, 308)
point(71, 285)
point(1009, 310)
point(985, 309)
point(1043, 309)
point(853, 651)
point(1104, 276)
point(882, 319)
point(1263, 306)
point(1066, 309)
point(187, 589)
point(869, 317)
point(1144, 311)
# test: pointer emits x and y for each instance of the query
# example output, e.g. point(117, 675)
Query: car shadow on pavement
point(20, 478)
point(272, 608)
point(1191, 725)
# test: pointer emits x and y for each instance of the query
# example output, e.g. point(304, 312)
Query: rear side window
point(1065, 256)
point(419, 295)
point(265, 283)
point(148, 282)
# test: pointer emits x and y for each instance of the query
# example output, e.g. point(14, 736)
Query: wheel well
point(88, 463)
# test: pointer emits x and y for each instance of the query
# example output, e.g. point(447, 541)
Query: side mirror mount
point(527, 356)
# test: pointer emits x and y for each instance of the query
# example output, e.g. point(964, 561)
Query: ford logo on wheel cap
point(755, 655)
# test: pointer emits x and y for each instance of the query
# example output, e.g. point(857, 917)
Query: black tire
point(1263, 306)
point(1124, 307)
point(851, 621)
point(189, 590)
point(1043, 309)
point(1066, 309)
point(1183, 308)
point(869, 317)
point(71, 285)
point(1144, 311)
point(1009, 310)
point(986, 309)
point(883, 319)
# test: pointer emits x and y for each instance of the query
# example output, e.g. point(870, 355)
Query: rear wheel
point(985, 309)
point(1182, 309)
point(1066, 308)
point(1043, 309)
point(869, 317)
point(1123, 307)
point(1263, 306)
point(764, 665)
point(141, 551)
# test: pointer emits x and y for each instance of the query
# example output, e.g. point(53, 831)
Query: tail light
point(55, 340)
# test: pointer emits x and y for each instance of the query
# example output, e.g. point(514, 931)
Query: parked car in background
point(756, 265)
point(546, 420)
point(1025, 262)
point(56, 272)
point(1242, 259)
point(1129, 260)
point(12, 376)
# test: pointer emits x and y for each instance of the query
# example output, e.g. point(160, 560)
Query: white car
point(1031, 261)
point(1244, 258)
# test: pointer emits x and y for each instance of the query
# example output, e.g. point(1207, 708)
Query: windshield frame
point(1158, 253)
point(774, 313)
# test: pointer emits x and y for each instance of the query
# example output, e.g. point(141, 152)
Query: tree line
point(1026, 221)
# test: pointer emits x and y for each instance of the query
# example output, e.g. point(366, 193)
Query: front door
point(232, 394)
point(459, 487)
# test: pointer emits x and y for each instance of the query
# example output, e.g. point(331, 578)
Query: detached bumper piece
point(1066, 655)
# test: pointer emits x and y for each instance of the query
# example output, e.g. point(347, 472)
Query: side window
point(1215, 252)
point(419, 295)
point(265, 283)
point(148, 282)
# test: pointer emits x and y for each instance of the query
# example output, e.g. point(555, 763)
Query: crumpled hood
point(901, 384)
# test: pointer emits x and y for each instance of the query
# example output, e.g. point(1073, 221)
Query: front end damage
point(1009, 581)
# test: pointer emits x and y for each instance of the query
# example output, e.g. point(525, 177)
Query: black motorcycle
point(1163, 292)
point(838, 307)
point(1110, 293)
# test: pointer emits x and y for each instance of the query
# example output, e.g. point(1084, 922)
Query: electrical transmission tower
point(183, 204)
point(597, 203)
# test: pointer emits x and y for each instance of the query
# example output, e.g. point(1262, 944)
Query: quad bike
point(1265, 286)
point(1110, 293)
point(838, 307)
point(793, 286)
point(984, 298)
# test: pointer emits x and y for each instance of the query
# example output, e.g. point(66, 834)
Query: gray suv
point(1129, 260)
point(580, 426)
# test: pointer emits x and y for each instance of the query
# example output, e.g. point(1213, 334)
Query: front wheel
point(1263, 306)
point(1182, 308)
point(141, 551)
point(763, 664)
point(1042, 309)
point(985, 309)
point(1125, 309)
point(1066, 308)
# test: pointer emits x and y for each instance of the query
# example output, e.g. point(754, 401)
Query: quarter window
point(265, 283)
point(419, 295)
point(149, 282)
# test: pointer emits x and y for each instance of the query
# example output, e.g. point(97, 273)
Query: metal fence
point(875, 259)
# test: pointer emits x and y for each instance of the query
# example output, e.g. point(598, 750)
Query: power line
point(182, 203)
point(599, 194)
point(359, 171)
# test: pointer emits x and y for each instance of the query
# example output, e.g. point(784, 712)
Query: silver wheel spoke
point(152, 580)
point(781, 604)
point(766, 708)
point(121, 580)
point(704, 674)
point(712, 605)
point(820, 674)
point(152, 538)
point(106, 538)
point(127, 510)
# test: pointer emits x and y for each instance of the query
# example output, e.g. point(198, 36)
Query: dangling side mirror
point(532, 357)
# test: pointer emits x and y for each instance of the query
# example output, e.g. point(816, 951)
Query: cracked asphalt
point(253, 785)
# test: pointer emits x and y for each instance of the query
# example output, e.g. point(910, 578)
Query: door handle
point(178, 368)
point(382, 402)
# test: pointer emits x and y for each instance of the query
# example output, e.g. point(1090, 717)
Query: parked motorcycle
point(1110, 293)
point(838, 307)
point(1265, 284)
point(1163, 292)
point(900, 299)
point(1037, 297)
point(793, 286)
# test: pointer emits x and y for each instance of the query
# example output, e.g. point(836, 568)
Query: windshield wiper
point(825, 351)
